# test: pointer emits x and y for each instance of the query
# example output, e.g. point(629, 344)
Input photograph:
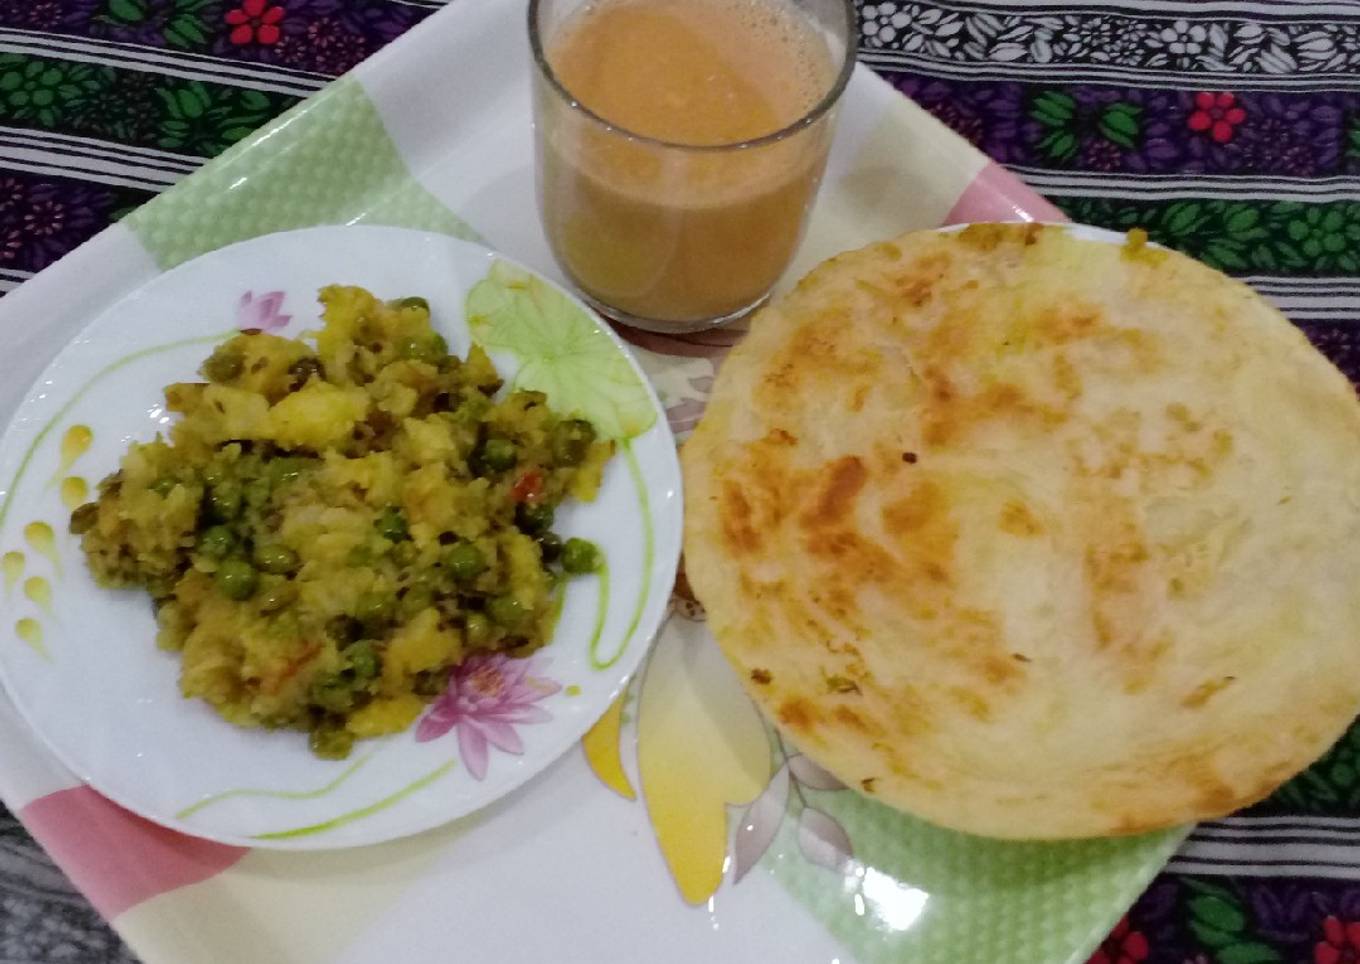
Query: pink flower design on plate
point(488, 695)
point(261, 313)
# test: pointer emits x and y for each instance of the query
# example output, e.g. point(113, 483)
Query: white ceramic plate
point(83, 667)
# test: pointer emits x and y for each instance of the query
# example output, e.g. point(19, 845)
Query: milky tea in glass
point(680, 144)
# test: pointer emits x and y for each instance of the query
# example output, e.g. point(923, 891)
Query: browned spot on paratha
point(841, 482)
point(1202, 693)
point(737, 525)
point(1018, 520)
point(798, 714)
point(850, 718)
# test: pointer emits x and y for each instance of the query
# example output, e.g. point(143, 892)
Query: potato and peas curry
point(332, 527)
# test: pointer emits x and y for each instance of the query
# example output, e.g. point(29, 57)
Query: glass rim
point(810, 117)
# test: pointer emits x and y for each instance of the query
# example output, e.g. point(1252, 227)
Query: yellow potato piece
point(390, 714)
point(318, 416)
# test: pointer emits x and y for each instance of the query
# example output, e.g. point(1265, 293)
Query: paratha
point(1034, 536)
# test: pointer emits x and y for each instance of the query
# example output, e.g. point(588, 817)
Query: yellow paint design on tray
point(43, 540)
point(74, 444)
point(75, 491)
point(12, 564)
point(39, 590)
point(701, 747)
point(603, 753)
point(30, 632)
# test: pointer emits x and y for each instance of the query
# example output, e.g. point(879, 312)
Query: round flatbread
point(1034, 536)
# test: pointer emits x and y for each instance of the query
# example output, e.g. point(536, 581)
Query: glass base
point(618, 317)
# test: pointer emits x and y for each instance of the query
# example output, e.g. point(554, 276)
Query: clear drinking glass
point(671, 236)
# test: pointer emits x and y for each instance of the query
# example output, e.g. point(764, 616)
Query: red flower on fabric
point(1341, 944)
point(1216, 113)
point(1123, 946)
point(255, 20)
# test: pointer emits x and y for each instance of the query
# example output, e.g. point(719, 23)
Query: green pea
point(431, 349)
point(391, 524)
point(580, 556)
point(496, 455)
point(571, 440)
point(362, 661)
point(472, 406)
point(478, 628)
point(404, 553)
point(550, 547)
point(276, 597)
point(236, 579)
point(257, 493)
point(224, 364)
point(281, 471)
point(506, 611)
point(464, 561)
point(375, 609)
point(216, 542)
point(331, 742)
point(413, 301)
point(84, 518)
point(224, 501)
point(276, 559)
point(332, 694)
point(163, 486)
point(416, 601)
point(534, 518)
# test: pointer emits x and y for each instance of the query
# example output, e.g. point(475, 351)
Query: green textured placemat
point(329, 160)
point(924, 894)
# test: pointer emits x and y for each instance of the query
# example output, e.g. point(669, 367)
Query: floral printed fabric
point(1254, 42)
point(1234, 137)
point(1124, 129)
